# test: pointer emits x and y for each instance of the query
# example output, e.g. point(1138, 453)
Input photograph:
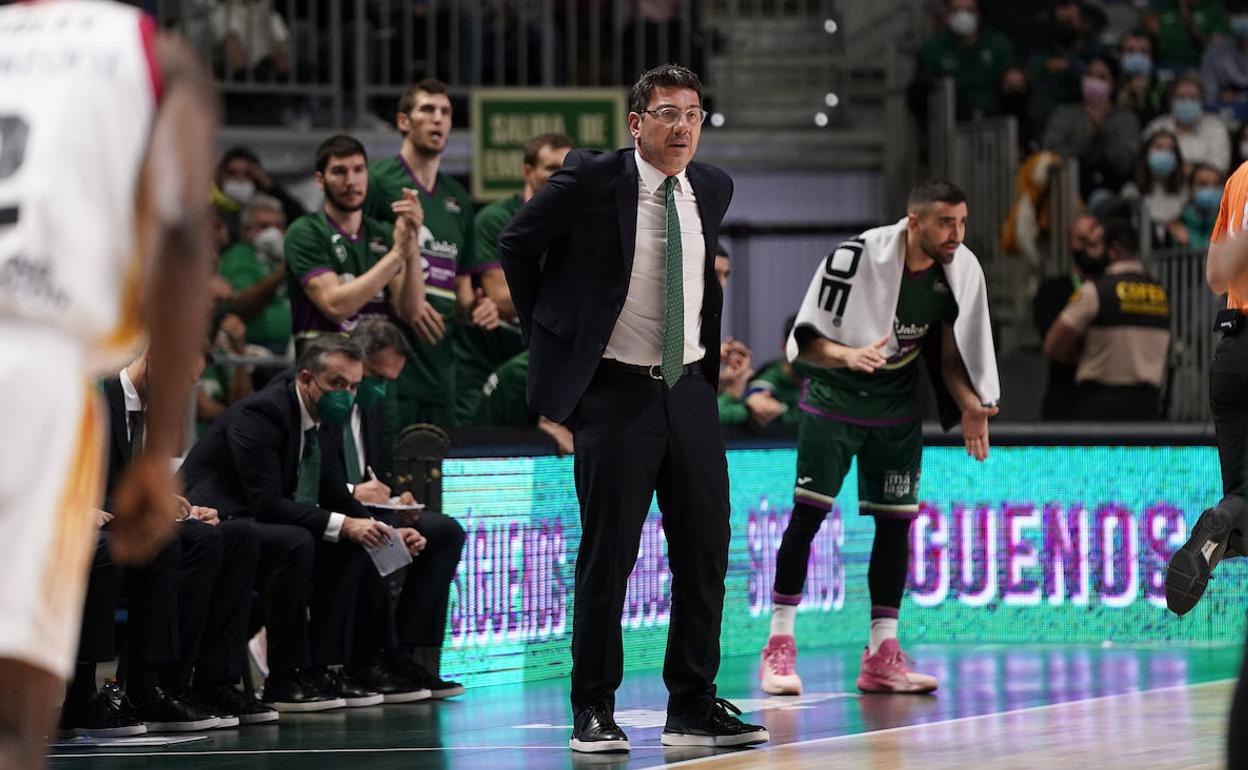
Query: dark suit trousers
point(420, 615)
point(634, 437)
point(215, 602)
point(347, 596)
point(97, 642)
point(284, 577)
point(152, 618)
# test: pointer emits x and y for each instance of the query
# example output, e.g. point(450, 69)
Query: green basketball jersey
point(478, 352)
point(503, 395)
point(445, 240)
point(314, 245)
point(888, 395)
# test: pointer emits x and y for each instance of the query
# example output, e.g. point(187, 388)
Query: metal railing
point(1192, 308)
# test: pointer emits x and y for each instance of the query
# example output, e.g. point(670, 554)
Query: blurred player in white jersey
point(106, 135)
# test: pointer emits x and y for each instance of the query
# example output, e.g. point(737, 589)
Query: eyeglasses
point(670, 116)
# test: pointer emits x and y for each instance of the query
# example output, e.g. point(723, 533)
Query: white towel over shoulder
point(852, 300)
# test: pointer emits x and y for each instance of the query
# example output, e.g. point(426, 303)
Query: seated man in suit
point(263, 460)
point(210, 583)
point(420, 615)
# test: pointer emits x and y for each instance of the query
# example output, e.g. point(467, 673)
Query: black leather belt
point(611, 365)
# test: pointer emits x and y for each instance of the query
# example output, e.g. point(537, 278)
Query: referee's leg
point(1228, 399)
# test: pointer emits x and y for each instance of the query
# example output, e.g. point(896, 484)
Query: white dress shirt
point(306, 423)
point(134, 403)
point(638, 334)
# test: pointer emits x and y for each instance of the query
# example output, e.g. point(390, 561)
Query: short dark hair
point(376, 334)
point(338, 146)
point(535, 145)
point(1121, 233)
point(237, 153)
point(934, 191)
point(429, 85)
point(665, 75)
point(313, 358)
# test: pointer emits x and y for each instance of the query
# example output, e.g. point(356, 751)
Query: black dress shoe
point(594, 730)
point(295, 692)
point(391, 683)
point(164, 713)
point(423, 677)
point(351, 692)
point(230, 700)
point(98, 717)
point(711, 724)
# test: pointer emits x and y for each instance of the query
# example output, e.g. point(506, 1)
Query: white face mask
point(239, 190)
point(268, 242)
point(963, 22)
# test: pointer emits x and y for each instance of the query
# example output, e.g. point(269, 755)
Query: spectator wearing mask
point(256, 270)
point(1203, 137)
point(1100, 135)
point(240, 177)
point(1067, 41)
point(1224, 67)
point(1116, 330)
point(1087, 250)
point(1182, 28)
point(1195, 226)
point(973, 55)
point(1160, 184)
point(1139, 92)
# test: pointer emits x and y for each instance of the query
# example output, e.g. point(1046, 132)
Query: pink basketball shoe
point(778, 668)
point(888, 670)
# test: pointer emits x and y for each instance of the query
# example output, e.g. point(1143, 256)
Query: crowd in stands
point(1150, 98)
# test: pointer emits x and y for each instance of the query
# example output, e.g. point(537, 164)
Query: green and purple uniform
point(503, 400)
point(874, 416)
point(315, 245)
point(426, 388)
point(478, 352)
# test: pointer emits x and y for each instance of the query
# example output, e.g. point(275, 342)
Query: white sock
point(881, 629)
point(783, 619)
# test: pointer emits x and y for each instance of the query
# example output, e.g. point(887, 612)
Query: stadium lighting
point(717, 119)
point(831, 99)
point(821, 119)
point(830, 26)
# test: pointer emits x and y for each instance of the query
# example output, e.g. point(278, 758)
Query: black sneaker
point(164, 713)
point(97, 718)
point(424, 678)
point(229, 699)
point(711, 724)
point(296, 693)
point(1187, 576)
point(351, 692)
point(594, 730)
point(391, 683)
point(225, 718)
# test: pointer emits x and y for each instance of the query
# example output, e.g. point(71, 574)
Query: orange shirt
point(1233, 223)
